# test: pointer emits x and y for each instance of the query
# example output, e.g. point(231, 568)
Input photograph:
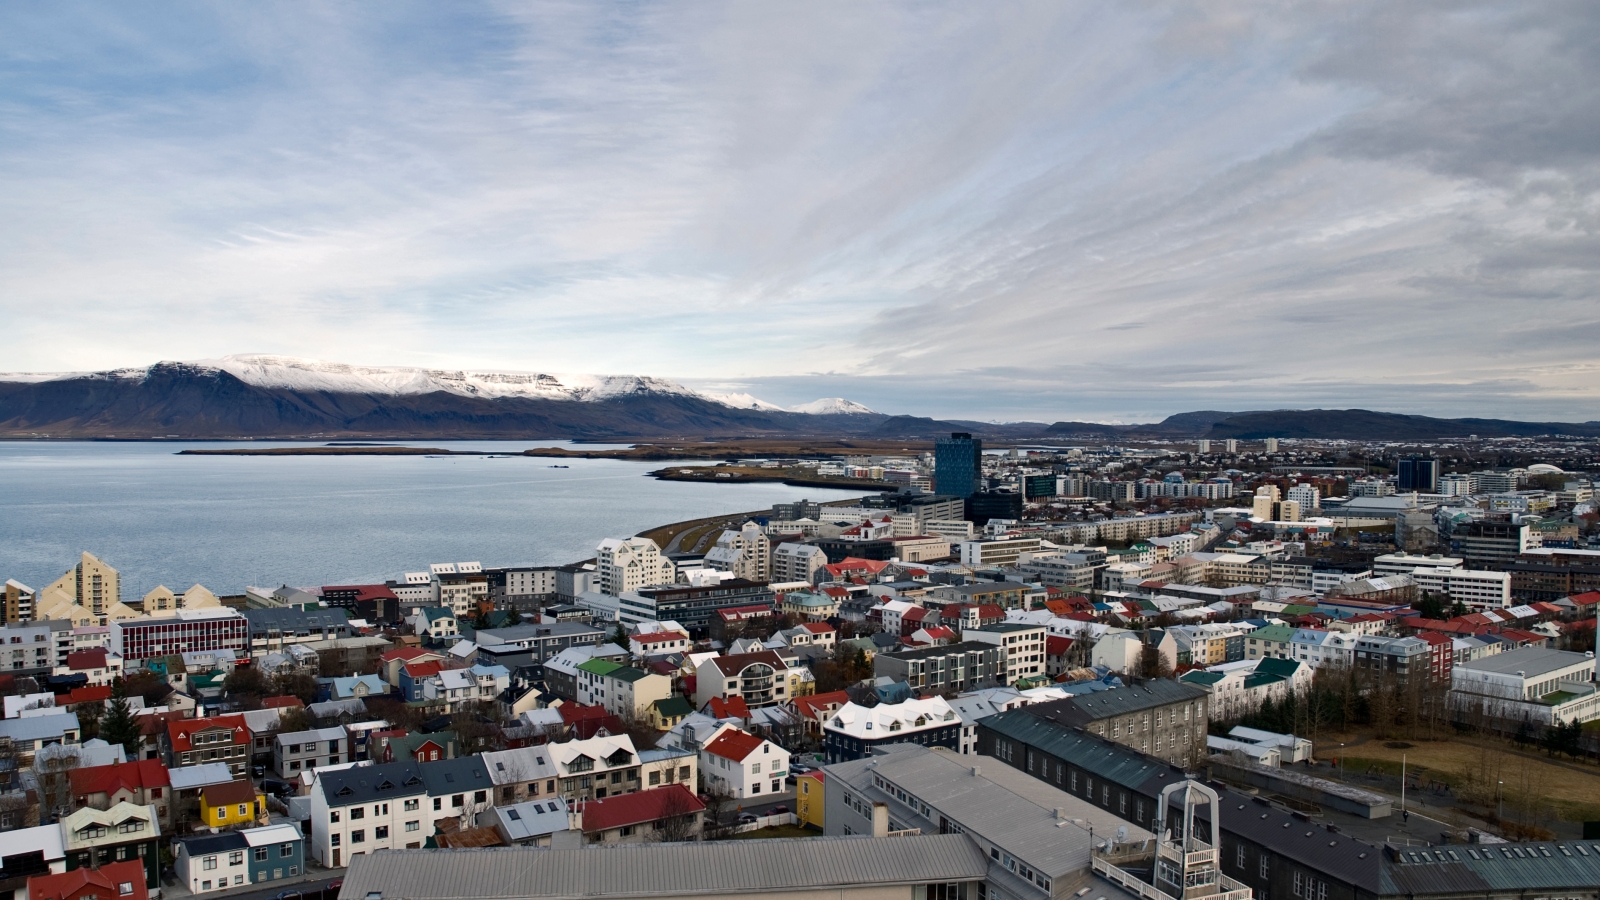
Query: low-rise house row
point(389, 805)
point(213, 863)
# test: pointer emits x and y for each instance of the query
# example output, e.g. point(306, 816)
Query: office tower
point(958, 465)
point(1417, 473)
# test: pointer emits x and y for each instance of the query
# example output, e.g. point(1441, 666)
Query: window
point(359, 836)
point(124, 888)
point(438, 804)
point(208, 863)
point(655, 778)
point(236, 858)
point(1261, 866)
point(483, 796)
point(333, 816)
point(1238, 855)
point(286, 850)
point(244, 809)
point(333, 840)
point(456, 800)
point(261, 854)
point(414, 825)
point(379, 833)
point(359, 812)
point(411, 805)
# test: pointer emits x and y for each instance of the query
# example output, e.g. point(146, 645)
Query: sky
point(997, 211)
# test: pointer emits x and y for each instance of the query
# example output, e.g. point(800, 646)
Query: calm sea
point(227, 522)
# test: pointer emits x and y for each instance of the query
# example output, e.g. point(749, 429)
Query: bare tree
point(679, 821)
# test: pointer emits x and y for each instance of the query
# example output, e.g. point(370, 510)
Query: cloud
point(1021, 210)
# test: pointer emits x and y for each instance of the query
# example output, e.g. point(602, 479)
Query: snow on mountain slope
point(831, 406)
point(743, 401)
point(291, 373)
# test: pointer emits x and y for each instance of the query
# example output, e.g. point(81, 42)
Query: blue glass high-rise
point(958, 465)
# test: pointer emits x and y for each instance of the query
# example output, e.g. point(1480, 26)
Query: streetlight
point(1500, 803)
point(1341, 761)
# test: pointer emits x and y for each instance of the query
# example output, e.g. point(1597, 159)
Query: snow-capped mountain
point(832, 406)
point(295, 374)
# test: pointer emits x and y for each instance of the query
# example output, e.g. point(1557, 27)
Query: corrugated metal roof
point(657, 870)
point(1543, 865)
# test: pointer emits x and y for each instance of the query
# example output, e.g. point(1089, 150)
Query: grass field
point(1478, 771)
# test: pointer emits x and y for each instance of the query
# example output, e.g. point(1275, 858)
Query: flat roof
point(1533, 661)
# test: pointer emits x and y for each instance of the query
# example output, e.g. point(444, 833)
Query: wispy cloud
point(1021, 210)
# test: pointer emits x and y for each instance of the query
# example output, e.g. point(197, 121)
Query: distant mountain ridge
point(283, 397)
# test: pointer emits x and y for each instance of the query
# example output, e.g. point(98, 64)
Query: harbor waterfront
point(229, 521)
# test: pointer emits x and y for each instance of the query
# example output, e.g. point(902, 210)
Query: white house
point(740, 765)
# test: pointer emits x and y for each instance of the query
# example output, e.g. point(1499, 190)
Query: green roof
point(1198, 676)
point(600, 666)
point(1281, 633)
point(1257, 679)
point(674, 707)
point(1275, 666)
point(627, 673)
point(1295, 609)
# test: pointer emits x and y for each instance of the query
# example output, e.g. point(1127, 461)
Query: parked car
point(778, 810)
point(274, 786)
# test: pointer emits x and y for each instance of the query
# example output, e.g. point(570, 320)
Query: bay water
point(231, 521)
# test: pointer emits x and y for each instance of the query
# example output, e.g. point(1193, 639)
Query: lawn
point(777, 831)
point(1479, 771)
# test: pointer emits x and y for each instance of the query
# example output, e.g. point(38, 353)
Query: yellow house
point(801, 682)
point(235, 803)
point(808, 799)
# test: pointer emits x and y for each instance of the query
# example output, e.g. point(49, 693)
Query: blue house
point(214, 862)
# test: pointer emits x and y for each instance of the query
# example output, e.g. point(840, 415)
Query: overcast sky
point(997, 211)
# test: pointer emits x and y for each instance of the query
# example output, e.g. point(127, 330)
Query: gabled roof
point(144, 773)
point(181, 731)
point(817, 705)
point(409, 653)
point(674, 707)
point(363, 784)
point(78, 660)
point(731, 708)
point(642, 806)
point(733, 744)
point(107, 877)
point(733, 665)
point(241, 791)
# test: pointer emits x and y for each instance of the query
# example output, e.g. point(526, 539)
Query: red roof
point(408, 653)
point(181, 731)
point(940, 631)
point(87, 694)
point(733, 744)
point(1523, 637)
point(425, 669)
point(1587, 598)
point(78, 660)
point(731, 708)
point(736, 613)
point(815, 705)
point(228, 793)
point(817, 627)
point(363, 591)
point(104, 882)
point(1055, 646)
point(990, 611)
point(144, 773)
point(281, 702)
point(659, 637)
point(836, 592)
point(852, 564)
point(572, 713)
point(621, 810)
point(1435, 638)
point(916, 614)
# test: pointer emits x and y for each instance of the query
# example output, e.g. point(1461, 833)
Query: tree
point(1431, 607)
point(118, 726)
point(295, 718)
point(246, 680)
point(620, 636)
point(295, 683)
point(678, 819)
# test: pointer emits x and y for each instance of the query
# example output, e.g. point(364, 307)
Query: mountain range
point(283, 397)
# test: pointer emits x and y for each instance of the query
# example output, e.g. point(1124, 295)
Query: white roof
point(271, 834)
point(187, 777)
point(522, 764)
point(45, 838)
point(886, 720)
point(533, 818)
point(594, 748)
point(463, 649)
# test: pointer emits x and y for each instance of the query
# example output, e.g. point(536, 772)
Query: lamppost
point(1500, 803)
point(1341, 761)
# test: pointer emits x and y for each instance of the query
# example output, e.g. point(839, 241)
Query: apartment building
point(855, 732)
point(1476, 589)
point(793, 562)
point(624, 691)
point(392, 805)
point(628, 564)
point(759, 679)
point(693, 606)
point(997, 551)
point(1491, 543)
point(964, 666)
point(224, 739)
point(298, 751)
point(186, 631)
point(1022, 644)
point(746, 553)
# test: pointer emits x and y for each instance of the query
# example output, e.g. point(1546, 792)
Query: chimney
point(1061, 813)
point(880, 820)
point(976, 771)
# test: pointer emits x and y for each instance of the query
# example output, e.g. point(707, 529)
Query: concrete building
point(793, 561)
point(628, 564)
point(997, 551)
point(964, 666)
point(1532, 684)
point(745, 553)
point(299, 751)
point(759, 679)
point(186, 631)
point(1164, 718)
point(1022, 644)
point(1476, 589)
